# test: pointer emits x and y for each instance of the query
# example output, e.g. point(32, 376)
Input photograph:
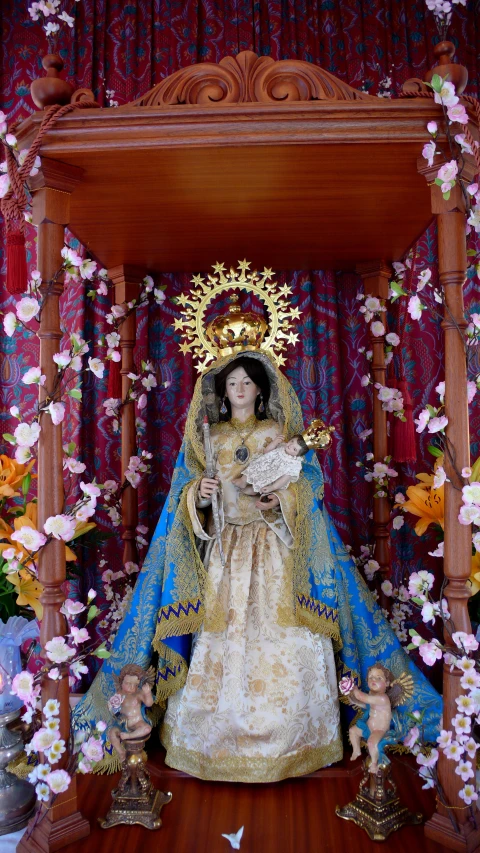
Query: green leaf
point(471, 253)
point(101, 652)
point(438, 182)
point(71, 448)
point(418, 601)
point(92, 294)
point(437, 83)
point(413, 632)
point(26, 484)
point(10, 438)
point(397, 288)
point(446, 195)
point(92, 612)
point(431, 411)
point(75, 393)
point(435, 451)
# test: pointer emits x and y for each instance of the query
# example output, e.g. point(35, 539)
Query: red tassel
point(404, 445)
point(16, 263)
point(114, 380)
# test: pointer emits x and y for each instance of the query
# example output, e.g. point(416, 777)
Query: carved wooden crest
point(249, 78)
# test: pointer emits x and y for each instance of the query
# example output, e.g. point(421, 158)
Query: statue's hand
point(269, 502)
point(208, 485)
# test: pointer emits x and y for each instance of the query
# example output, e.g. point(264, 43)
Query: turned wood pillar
point(126, 281)
point(376, 277)
point(452, 263)
point(63, 823)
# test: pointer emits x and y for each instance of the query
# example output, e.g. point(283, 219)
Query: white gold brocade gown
point(260, 701)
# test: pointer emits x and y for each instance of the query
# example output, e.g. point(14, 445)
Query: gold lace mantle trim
point(235, 768)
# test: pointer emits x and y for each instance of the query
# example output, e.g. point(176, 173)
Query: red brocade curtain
point(127, 48)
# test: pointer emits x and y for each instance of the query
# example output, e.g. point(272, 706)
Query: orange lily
point(475, 573)
point(29, 590)
point(11, 475)
point(428, 504)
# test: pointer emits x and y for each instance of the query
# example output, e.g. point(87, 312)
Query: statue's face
point(241, 390)
point(130, 684)
point(292, 447)
point(377, 682)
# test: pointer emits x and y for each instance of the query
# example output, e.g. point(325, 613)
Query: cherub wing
point(401, 689)
point(116, 682)
point(149, 677)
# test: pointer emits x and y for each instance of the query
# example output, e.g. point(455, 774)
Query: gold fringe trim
point(320, 625)
point(250, 769)
point(186, 624)
point(166, 687)
point(109, 764)
point(20, 766)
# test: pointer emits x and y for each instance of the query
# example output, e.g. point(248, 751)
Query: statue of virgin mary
point(252, 621)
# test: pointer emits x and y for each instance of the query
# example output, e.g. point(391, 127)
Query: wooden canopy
point(284, 164)
point(275, 160)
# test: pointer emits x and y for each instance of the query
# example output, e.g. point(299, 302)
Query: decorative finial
point(457, 74)
point(52, 89)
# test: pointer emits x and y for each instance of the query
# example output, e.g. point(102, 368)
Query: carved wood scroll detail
point(249, 78)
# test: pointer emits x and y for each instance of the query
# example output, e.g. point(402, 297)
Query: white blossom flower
point(471, 494)
point(27, 308)
point(437, 424)
point(9, 323)
point(56, 412)
point(428, 152)
point(444, 739)
point(457, 113)
point(387, 588)
point(462, 724)
point(415, 307)
point(430, 652)
point(72, 608)
point(422, 420)
point(63, 358)
point(439, 477)
point(454, 751)
point(468, 794)
point(22, 686)
point(58, 651)
point(42, 791)
point(446, 95)
point(96, 366)
point(43, 739)
point(69, 20)
point(79, 635)
point(51, 708)
point(92, 749)
point(87, 268)
point(60, 527)
point(29, 538)
point(26, 435)
point(74, 466)
point(465, 642)
point(77, 668)
point(54, 673)
point(469, 514)
point(393, 339)
point(432, 128)
point(55, 751)
point(465, 704)
point(438, 551)
point(58, 781)
point(377, 328)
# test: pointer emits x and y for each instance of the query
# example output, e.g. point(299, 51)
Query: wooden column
point(127, 287)
point(52, 828)
point(452, 263)
point(376, 276)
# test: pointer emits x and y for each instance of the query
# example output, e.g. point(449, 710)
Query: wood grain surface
point(294, 816)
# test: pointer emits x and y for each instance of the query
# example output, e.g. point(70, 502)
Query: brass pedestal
point(135, 800)
point(376, 808)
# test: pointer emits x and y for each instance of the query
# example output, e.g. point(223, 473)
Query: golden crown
point(318, 435)
point(237, 330)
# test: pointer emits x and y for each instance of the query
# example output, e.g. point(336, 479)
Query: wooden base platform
point(294, 816)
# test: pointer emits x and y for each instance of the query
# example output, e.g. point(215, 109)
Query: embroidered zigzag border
point(321, 610)
point(183, 609)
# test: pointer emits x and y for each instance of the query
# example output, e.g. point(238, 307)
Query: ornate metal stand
point(135, 800)
point(17, 796)
point(376, 808)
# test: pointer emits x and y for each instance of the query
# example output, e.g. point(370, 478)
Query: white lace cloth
point(262, 472)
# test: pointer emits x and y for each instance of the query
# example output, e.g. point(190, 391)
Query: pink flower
point(22, 686)
point(432, 128)
point(58, 781)
point(457, 113)
point(56, 412)
point(439, 477)
point(415, 308)
point(377, 328)
point(428, 760)
point(60, 527)
point(465, 642)
point(92, 749)
point(437, 424)
point(142, 401)
point(430, 652)
point(428, 152)
point(448, 172)
point(84, 766)
point(412, 737)
point(115, 702)
point(469, 514)
point(444, 739)
point(79, 635)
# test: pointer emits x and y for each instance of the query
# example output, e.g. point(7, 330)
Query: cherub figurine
point(281, 462)
point(134, 694)
point(374, 724)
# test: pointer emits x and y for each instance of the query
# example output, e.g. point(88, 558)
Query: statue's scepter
point(210, 473)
